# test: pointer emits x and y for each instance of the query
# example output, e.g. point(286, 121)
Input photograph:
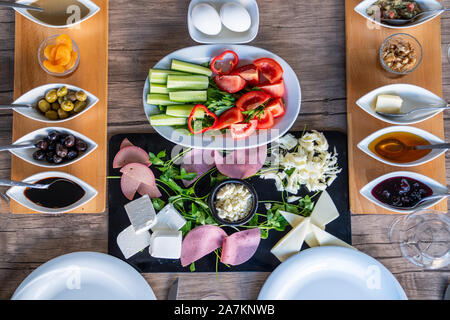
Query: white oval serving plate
point(33, 137)
point(427, 5)
point(247, 54)
point(17, 193)
point(432, 139)
point(33, 96)
point(413, 97)
point(93, 9)
point(84, 276)
point(226, 35)
point(437, 188)
point(331, 273)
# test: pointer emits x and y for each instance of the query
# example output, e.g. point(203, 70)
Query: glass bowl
point(401, 38)
point(41, 57)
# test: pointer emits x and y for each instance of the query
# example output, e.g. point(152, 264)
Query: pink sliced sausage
point(240, 246)
point(125, 143)
point(198, 161)
point(129, 186)
point(139, 174)
point(130, 154)
point(199, 242)
point(151, 190)
point(241, 163)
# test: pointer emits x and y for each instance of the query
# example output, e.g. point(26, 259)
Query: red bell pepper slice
point(221, 65)
point(207, 113)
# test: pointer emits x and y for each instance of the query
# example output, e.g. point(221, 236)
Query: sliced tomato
point(265, 120)
point(276, 90)
point(230, 83)
point(229, 117)
point(276, 107)
point(252, 100)
point(270, 69)
point(243, 130)
point(248, 72)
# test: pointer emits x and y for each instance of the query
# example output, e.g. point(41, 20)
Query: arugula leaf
point(158, 204)
point(192, 267)
point(156, 159)
point(218, 100)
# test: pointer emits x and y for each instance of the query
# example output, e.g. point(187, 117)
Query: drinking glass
point(424, 238)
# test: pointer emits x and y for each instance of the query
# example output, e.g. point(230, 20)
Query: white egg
point(235, 17)
point(206, 19)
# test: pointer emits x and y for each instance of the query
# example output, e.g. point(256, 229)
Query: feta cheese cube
point(169, 218)
point(130, 242)
point(388, 103)
point(166, 244)
point(141, 213)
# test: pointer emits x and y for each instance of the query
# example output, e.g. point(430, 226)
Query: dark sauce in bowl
point(401, 192)
point(61, 194)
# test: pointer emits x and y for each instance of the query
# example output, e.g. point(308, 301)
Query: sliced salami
point(129, 186)
point(198, 161)
point(241, 163)
point(136, 174)
point(240, 246)
point(130, 154)
point(125, 143)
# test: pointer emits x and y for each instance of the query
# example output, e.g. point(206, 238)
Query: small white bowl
point(226, 35)
point(432, 139)
point(93, 9)
point(17, 193)
point(426, 5)
point(437, 188)
point(413, 97)
point(33, 96)
point(33, 137)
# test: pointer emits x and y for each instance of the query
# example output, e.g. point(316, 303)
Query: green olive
point(71, 97)
point(62, 114)
point(62, 91)
point(52, 115)
point(61, 99)
point(79, 106)
point(55, 106)
point(67, 105)
point(51, 96)
point(81, 96)
point(43, 105)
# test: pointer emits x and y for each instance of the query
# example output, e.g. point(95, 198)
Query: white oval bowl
point(413, 97)
point(33, 137)
point(32, 98)
point(432, 139)
point(214, 140)
point(437, 188)
point(17, 193)
point(93, 10)
point(427, 5)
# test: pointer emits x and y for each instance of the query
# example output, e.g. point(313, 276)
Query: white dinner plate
point(331, 273)
point(84, 276)
point(247, 54)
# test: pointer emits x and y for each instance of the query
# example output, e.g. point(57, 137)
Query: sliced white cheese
point(141, 213)
point(292, 242)
point(130, 242)
point(326, 239)
point(311, 240)
point(169, 218)
point(165, 244)
point(324, 211)
point(292, 218)
point(388, 103)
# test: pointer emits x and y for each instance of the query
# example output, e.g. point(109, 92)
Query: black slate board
point(263, 260)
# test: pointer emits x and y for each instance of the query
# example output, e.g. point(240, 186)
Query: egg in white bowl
point(235, 17)
point(206, 19)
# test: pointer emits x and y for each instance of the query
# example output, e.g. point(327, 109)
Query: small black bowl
point(250, 214)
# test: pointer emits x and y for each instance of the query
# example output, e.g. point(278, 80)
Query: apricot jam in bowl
point(59, 55)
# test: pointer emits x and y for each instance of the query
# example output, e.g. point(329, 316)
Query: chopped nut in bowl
point(400, 53)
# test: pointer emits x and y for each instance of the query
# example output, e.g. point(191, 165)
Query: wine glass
point(424, 238)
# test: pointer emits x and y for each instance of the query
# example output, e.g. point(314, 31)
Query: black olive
point(81, 145)
point(72, 154)
point(63, 137)
point(53, 136)
point(57, 159)
point(69, 142)
point(42, 144)
point(51, 146)
point(39, 155)
point(49, 156)
point(61, 150)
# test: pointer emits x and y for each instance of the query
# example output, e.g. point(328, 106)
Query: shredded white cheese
point(309, 164)
point(233, 202)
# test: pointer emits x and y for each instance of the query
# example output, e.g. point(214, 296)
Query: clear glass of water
point(424, 238)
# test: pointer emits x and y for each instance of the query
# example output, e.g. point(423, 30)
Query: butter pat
point(141, 213)
point(130, 242)
point(165, 244)
point(169, 218)
point(387, 103)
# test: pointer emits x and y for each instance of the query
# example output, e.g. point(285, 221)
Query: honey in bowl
point(59, 12)
point(398, 147)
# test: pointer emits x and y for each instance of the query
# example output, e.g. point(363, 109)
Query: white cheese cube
point(387, 103)
point(130, 242)
point(141, 213)
point(165, 244)
point(169, 218)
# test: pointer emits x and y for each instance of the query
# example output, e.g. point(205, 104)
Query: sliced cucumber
point(184, 110)
point(181, 82)
point(159, 99)
point(188, 96)
point(165, 120)
point(190, 68)
point(160, 75)
point(158, 88)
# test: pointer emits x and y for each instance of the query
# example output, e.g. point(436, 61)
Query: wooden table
point(309, 35)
